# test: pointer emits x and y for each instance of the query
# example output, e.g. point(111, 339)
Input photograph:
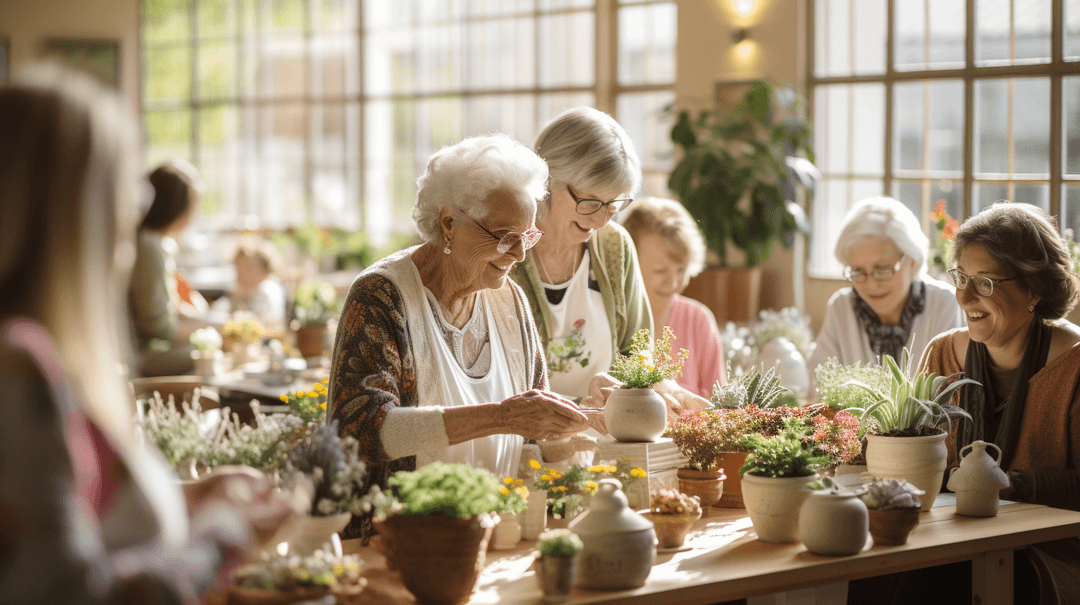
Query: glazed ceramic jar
point(978, 481)
point(620, 545)
point(833, 523)
point(635, 415)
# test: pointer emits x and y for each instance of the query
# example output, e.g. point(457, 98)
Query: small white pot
point(773, 504)
point(635, 415)
point(920, 461)
point(833, 524)
point(308, 533)
point(507, 533)
point(207, 363)
point(534, 520)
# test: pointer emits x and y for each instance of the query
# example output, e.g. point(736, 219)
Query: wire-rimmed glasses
point(984, 286)
point(510, 238)
point(588, 206)
point(857, 276)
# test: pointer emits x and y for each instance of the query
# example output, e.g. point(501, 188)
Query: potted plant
point(907, 440)
point(436, 522)
point(737, 178)
point(568, 491)
point(512, 501)
point(285, 577)
point(837, 388)
point(833, 520)
point(700, 437)
point(242, 337)
point(314, 306)
point(894, 507)
point(672, 514)
point(206, 354)
point(635, 411)
point(556, 556)
point(309, 406)
point(775, 478)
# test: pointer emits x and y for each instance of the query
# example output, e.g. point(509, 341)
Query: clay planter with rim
point(440, 558)
point(919, 460)
point(891, 527)
point(731, 462)
point(671, 528)
point(310, 339)
point(556, 576)
point(708, 486)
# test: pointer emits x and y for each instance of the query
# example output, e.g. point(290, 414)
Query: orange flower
point(939, 211)
point(951, 226)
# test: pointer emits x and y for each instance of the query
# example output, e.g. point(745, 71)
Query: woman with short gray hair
point(892, 303)
point(437, 357)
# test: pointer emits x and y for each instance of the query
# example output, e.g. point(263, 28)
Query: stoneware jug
point(635, 414)
point(620, 545)
point(978, 480)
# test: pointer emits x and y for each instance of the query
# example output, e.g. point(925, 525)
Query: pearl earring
point(1031, 308)
point(446, 250)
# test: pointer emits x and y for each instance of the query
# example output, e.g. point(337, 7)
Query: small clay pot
point(891, 527)
point(671, 528)
point(708, 486)
point(556, 577)
point(733, 495)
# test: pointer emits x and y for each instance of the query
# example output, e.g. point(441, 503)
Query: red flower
point(939, 211)
point(579, 323)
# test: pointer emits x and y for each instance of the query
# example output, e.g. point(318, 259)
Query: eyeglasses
point(856, 276)
point(507, 241)
point(983, 285)
point(591, 206)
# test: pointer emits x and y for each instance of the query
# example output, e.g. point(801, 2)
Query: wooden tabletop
point(724, 560)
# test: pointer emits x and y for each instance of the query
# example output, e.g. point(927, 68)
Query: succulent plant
point(889, 494)
point(559, 543)
point(756, 387)
point(673, 502)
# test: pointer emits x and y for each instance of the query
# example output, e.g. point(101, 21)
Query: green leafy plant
point(738, 168)
point(912, 407)
point(559, 543)
point(439, 488)
point(756, 387)
point(315, 303)
point(838, 438)
point(701, 437)
point(788, 454)
point(642, 368)
point(308, 405)
point(837, 384)
point(206, 339)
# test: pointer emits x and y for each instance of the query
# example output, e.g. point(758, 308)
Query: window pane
point(550, 105)
point(988, 193)
point(283, 67)
point(168, 134)
point(546, 5)
point(849, 132)
point(338, 15)
point(334, 61)
point(930, 34)
point(649, 127)
point(514, 115)
point(167, 73)
point(832, 199)
point(217, 71)
point(288, 15)
point(282, 160)
point(1070, 206)
point(1011, 32)
point(1024, 101)
point(165, 21)
point(647, 44)
point(832, 129)
point(1072, 30)
point(928, 126)
point(835, 52)
point(923, 196)
point(216, 18)
point(564, 40)
point(1070, 111)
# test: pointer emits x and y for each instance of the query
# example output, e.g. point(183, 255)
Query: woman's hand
point(541, 415)
point(557, 451)
point(682, 398)
point(600, 387)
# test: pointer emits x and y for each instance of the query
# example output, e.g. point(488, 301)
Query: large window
point(326, 110)
point(960, 102)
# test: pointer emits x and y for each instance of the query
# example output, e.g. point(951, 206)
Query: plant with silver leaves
point(889, 494)
point(756, 387)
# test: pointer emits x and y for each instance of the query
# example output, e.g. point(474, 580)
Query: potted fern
point(635, 411)
point(907, 438)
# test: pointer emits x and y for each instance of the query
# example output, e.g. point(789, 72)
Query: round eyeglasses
point(984, 286)
point(507, 241)
point(857, 276)
point(588, 206)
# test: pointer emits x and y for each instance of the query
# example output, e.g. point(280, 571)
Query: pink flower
point(579, 323)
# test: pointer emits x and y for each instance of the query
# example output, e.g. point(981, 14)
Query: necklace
point(546, 276)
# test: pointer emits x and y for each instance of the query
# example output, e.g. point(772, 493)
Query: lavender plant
point(333, 465)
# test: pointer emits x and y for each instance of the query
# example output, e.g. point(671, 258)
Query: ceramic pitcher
point(620, 545)
point(978, 480)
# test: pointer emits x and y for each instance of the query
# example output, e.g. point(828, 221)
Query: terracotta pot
point(439, 558)
point(635, 415)
point(919, 460)
point(730, 463)
point(708, 486)
point(556, 577)
point(891, 527)
point(671, 528)
point(310, 339)
point(731, 294)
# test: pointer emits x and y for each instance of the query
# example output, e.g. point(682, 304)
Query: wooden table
point(725, 561)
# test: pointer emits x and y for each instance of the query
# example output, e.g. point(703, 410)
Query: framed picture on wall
point(5, 60)
point(99, 58)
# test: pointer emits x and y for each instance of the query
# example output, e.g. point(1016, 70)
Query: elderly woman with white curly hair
point(437, 356)
point(892, 303)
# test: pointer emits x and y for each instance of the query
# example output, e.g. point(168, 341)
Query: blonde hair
point(66, 242)
point(670, 220)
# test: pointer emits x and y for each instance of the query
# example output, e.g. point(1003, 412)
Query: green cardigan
point(620, 282)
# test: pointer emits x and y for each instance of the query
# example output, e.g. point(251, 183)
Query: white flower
point(326, 507)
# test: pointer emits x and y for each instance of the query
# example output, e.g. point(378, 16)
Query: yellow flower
point(320, 388)
point(299, 393)
point(609, 468)
point(638, 472)
point(524, 491)
point(545, 477)
point(509, 481)
point(534, 465)
point(590, 486)
point(626, 459)
point(504, 491)
point(322, 406)
point(596, 468)
point(559, 488)
point(284, 398)
point(555, 475)
point(313, 394)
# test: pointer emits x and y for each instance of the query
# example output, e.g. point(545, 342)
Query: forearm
point(468, 422)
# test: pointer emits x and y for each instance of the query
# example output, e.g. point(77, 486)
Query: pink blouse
point(695, 330)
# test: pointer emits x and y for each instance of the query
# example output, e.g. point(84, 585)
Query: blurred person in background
point(87, 515)
point(258, 290)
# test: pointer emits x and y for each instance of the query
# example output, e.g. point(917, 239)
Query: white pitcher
point(977, 481)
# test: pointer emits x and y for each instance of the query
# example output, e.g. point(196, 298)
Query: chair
point(182, 388)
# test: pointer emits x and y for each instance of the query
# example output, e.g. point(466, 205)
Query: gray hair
point(670, 220)
point(587, 149)
point(883, 218)
point(463, 174)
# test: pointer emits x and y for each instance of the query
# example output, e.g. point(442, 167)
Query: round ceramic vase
point(920, 461)
point(620, 545)
point(782, 355)
point(635, 415)
point(833, 524)
point(773, 504)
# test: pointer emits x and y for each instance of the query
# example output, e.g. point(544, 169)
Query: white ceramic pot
point(833, 524)
point(635, 415)
point(507, 533)
point(207, 363)
point(620, 545)
point(534, 519)
point(783, 356)
point(773, 505)
point(978, 480)
point(309, 533)
point(919, 460)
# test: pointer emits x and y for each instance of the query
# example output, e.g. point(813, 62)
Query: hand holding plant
point(642, 368)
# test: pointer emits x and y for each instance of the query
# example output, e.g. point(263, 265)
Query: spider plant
point(911, 406)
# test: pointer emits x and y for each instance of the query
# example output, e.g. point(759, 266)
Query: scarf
point(891, 340)
point(981, 402)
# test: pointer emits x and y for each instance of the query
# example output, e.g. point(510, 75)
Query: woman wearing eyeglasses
point(891, 303)
point(436, 355)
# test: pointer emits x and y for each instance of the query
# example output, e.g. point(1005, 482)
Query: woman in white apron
point(437, 357)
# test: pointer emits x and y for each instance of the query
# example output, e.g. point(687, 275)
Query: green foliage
point(451, 490)
point(641, 368)
point(735, 169)
point(788, 454)
point(756, 387)
point(836, 383)
point(559, 543)
point(701, 437)
point(315, 303)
